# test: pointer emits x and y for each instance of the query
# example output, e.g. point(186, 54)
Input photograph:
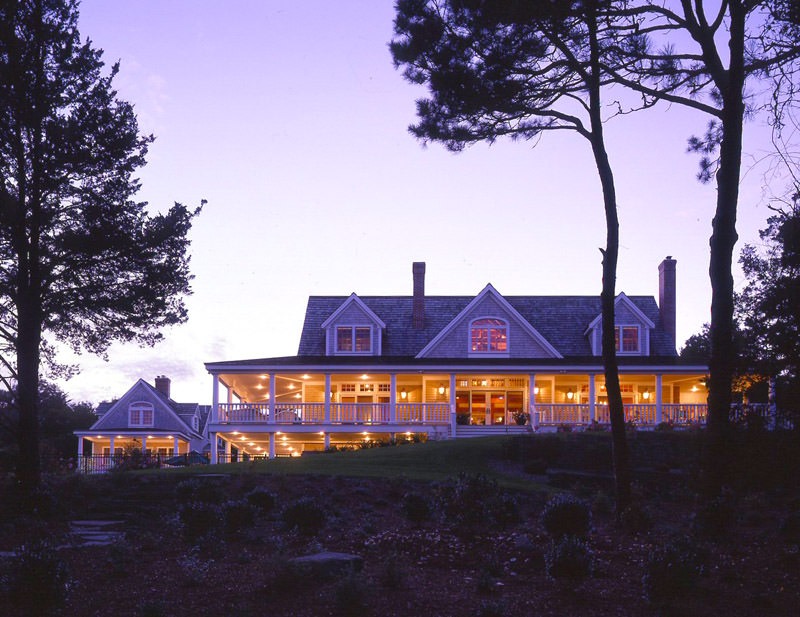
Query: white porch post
point(592, 398)
point(80, 447)
point(534, 420)
point(327, 411)
point(176, 447)
point(272, 418)
point(326, 440)
point(772, 405)
point(453, 423)
point(212, 437)
point(214, 400)
point(393, 398)
point(227, 451)
point(659, 400)
point(111, 445)
point(272, 445)
point(144, 444)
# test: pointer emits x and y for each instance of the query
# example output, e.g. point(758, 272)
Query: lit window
point(140, 414)
point(489, 336)
point(629, 342)
point(354, 339)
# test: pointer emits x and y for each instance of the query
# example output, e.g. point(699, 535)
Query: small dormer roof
point(628, 303)
point(353, 299)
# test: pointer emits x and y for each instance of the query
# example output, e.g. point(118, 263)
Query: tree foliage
point(503, 68)
point(771, 298)
point(80, 259)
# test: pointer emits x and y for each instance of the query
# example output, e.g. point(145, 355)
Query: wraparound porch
point(260, 407)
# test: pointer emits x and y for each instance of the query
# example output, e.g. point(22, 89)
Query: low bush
point(416, 507)
point(38, 580)
point(473, 502)
point(305, 515)
point(198, 520)
point(672, 569)
point(237, 515)
point(565, 515)
point(262, 499)
point(569, 558)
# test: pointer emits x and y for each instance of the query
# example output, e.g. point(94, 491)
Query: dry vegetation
point(453, 547)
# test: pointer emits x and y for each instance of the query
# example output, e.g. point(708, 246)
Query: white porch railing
point(643, 414)
point(341, 413)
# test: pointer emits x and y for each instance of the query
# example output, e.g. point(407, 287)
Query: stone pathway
point(95, 533)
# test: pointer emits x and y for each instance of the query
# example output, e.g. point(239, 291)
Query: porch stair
point(495, 430)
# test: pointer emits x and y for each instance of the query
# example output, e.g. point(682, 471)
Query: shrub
point(474, 502)
point(194, 567)
point(198, 519)
point(238, 515)
point(671, 570)
point(569, 558)
point(305, 515)
point(565, 515)
point(416, 507)
point(38, 580)
point(262, 499)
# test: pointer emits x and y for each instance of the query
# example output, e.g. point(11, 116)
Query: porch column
point(272, 445)
point(144, 444)
point(176, 447)
point(214, 400)
point(272, 417)
point(214, 448)
point(80, 446)
point(659, 400)
point(327, 411)
point(393, 398)
point(592, 398)
point(453, 422)
point(227, 451)
point(326, 441)
point(111, 445)
point(534, 419)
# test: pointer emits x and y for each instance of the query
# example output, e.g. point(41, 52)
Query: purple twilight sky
point(290, 119)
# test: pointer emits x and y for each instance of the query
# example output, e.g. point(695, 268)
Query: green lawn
point(420, 461)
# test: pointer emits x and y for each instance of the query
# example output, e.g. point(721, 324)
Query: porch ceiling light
point(441, 388)
point(646, 394)
point(570, 394)
point(306, 376)
point(169, 436)
point(536, 389)
point(403, 394)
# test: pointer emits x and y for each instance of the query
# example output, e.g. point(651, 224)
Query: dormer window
point(626, 339)
point(353, 339)
point(489, 335)
point(140, 414)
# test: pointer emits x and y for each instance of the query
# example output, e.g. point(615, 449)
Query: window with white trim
point(140, 414)
point(626, 339)
point(353, 339)
point(488, 335)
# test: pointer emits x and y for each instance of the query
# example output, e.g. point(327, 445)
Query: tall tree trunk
point(620, 453)
point(28, 340)
point(723, 239)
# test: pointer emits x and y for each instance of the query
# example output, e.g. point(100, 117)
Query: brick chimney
point(667, 296)
point(162, 385)
point(418, 306)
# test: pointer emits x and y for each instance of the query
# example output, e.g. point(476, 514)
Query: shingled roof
point(562, 320)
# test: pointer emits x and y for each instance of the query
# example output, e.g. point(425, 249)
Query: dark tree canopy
point(496, 68)
point(770, 300)
point(80, 259)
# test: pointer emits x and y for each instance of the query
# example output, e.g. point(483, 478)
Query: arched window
point(140, 414)
point(489, 335)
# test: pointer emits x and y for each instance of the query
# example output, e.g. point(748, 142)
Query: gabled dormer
point(489, 327)
point(631, 330)
point(353, 330)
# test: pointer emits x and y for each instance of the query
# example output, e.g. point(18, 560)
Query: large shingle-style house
point(147, 419)
point(374, 367)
